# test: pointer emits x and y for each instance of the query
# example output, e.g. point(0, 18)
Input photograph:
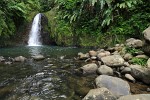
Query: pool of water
point(50, 79)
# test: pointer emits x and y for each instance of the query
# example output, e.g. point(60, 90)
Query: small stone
point(2, 59)
point(20, 59)
point(83, 56)
point(128, 56)
point(117, 45)
point(148, 89)
point(129, 77)
point(92, 53)
point(121, 68)
point(126, 70)
point(8, 63)
point(93, 58)
point(38, 57)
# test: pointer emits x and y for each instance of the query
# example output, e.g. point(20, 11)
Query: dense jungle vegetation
point(78, 22)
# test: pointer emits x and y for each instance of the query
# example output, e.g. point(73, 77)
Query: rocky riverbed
point(123, 72)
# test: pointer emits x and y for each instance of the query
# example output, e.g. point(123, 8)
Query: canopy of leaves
point(13, 13)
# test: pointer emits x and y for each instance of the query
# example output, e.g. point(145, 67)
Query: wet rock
point(113, 60)
point(38, 57)
point(140, 73)
point(93, 53)
point(136, 97)
point(128, 56)
point(136, 43)
point(8, 63)
point(146, 33)
point(126, 70)
point(83, 56)
point(89, 68)
point(129, 77)
point(2, 59)
point(20, 59)
point(116, 85)
point(99, 94)
point(105, 70)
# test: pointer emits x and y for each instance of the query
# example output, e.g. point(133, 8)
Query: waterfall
point(34, 36)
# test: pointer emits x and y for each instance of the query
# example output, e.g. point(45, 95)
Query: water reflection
point(35, 50)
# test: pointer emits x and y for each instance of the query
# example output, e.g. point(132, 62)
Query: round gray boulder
point(113, 60)
point(116, 85)
point(99, 94)
point(136, 97)
point(38, 57)
point(105, 70)
point(136, 43)
point(89, 68)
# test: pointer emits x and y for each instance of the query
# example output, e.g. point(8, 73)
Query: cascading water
point(34, 36)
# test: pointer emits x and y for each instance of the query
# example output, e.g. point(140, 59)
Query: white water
point(34, 36)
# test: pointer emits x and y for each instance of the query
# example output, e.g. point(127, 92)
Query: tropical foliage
point(80, 20)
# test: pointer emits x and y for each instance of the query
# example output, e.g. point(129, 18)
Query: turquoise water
point(53, 78)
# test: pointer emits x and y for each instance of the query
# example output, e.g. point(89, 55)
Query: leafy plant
point(139, 61)
point(132, 50)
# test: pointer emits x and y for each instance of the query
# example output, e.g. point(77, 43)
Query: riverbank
point(123, 71)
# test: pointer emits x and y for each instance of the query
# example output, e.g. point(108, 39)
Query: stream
point(50, 79)
point(53, 78)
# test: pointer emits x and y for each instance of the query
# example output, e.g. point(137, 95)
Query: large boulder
point(136, 97)
point(89, 68)
point(99, 94)
point(38, 57)
point(113, 60)
point(105, 70)
point(140, 73)
point(136, 43)
point(116, 85)
point(19, 59)
point(146, 33)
